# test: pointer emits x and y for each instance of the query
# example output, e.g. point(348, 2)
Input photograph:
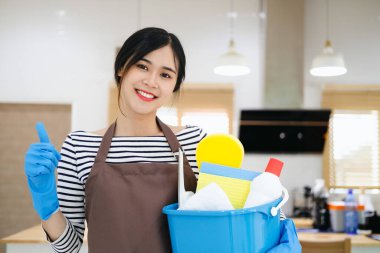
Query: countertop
point(356, 240)
point(35, 234)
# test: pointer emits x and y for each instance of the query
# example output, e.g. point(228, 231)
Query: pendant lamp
point(232, 63)
point(328, 63)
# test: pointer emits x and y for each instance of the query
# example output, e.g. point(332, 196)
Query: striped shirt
point(77, 158)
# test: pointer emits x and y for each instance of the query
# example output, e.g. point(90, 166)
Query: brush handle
point(181, 183)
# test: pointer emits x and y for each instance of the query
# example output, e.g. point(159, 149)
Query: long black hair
point(142, 43)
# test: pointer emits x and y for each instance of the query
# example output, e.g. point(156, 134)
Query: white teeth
point(145, 94)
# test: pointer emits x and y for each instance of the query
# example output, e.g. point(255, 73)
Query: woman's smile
point(144, 95)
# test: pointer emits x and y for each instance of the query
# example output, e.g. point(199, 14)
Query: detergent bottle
point(266, 187)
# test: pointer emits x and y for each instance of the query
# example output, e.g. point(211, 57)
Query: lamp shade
point(328, 63)
point(232, 63)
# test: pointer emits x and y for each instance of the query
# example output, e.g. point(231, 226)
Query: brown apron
point(124, 201)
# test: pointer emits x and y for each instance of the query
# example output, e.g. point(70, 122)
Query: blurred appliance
point(374, 223)
point(283, 131)
point(302, 202)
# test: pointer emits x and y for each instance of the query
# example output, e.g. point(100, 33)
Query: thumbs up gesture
point(41, 160)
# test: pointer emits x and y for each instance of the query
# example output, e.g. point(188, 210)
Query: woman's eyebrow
point(164, 67)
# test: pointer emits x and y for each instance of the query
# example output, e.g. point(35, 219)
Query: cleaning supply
point(183, 195)
point(209, 198)
point(336, 210)
point(266, 187)
point(219, 158)
point(321, 214)
point(221, 149)
point(253, 230)
point(350, 213)
point(235, 183)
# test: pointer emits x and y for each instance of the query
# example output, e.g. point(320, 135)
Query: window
point(207, 105)
point(351, 156)
point(216, 122)
point(169, 115)
point(349, 144)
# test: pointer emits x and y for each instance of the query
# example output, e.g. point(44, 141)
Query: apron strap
point(190, 179)
point(172, 140)
point(170, 136)
point(105, 144)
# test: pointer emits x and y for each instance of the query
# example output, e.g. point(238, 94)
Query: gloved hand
point(41, 159)
point(289, 242)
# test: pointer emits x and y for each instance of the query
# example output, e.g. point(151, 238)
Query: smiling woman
point(119, 178)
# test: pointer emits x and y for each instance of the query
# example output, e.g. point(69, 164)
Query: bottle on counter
point(350, 213)
point(321, 214)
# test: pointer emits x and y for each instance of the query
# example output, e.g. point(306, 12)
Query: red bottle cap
point(274, 166)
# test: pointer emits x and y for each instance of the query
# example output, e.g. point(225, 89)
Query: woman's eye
point(165, 75)
point(142, 66)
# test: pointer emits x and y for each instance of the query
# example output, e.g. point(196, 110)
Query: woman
point(118, 179)
point(121, 199)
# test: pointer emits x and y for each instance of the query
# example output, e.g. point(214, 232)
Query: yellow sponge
point(223, 149)
point(235, 183)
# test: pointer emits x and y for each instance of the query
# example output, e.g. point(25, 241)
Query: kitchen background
point(63, 52)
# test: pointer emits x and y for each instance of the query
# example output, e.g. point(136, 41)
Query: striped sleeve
point(71, 200)
point(189, 141)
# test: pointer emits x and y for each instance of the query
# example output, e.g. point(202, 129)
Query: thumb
point(42, 134)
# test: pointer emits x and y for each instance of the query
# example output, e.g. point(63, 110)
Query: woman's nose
point(151, 80)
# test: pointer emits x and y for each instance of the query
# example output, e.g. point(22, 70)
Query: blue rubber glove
point(289, 242)
point(41, 159)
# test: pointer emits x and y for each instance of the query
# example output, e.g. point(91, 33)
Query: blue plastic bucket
point(247, 230)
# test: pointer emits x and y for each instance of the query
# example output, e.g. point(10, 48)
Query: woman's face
point(149, 83)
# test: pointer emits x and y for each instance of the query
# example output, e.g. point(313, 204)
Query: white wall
point(354, 30)
point(69, 58)
point(49, 57)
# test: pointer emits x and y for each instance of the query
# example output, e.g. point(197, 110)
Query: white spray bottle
point(266, 187)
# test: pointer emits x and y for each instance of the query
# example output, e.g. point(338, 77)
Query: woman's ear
point(120, 73)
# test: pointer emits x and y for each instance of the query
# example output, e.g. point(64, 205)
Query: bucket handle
point(274, 210)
